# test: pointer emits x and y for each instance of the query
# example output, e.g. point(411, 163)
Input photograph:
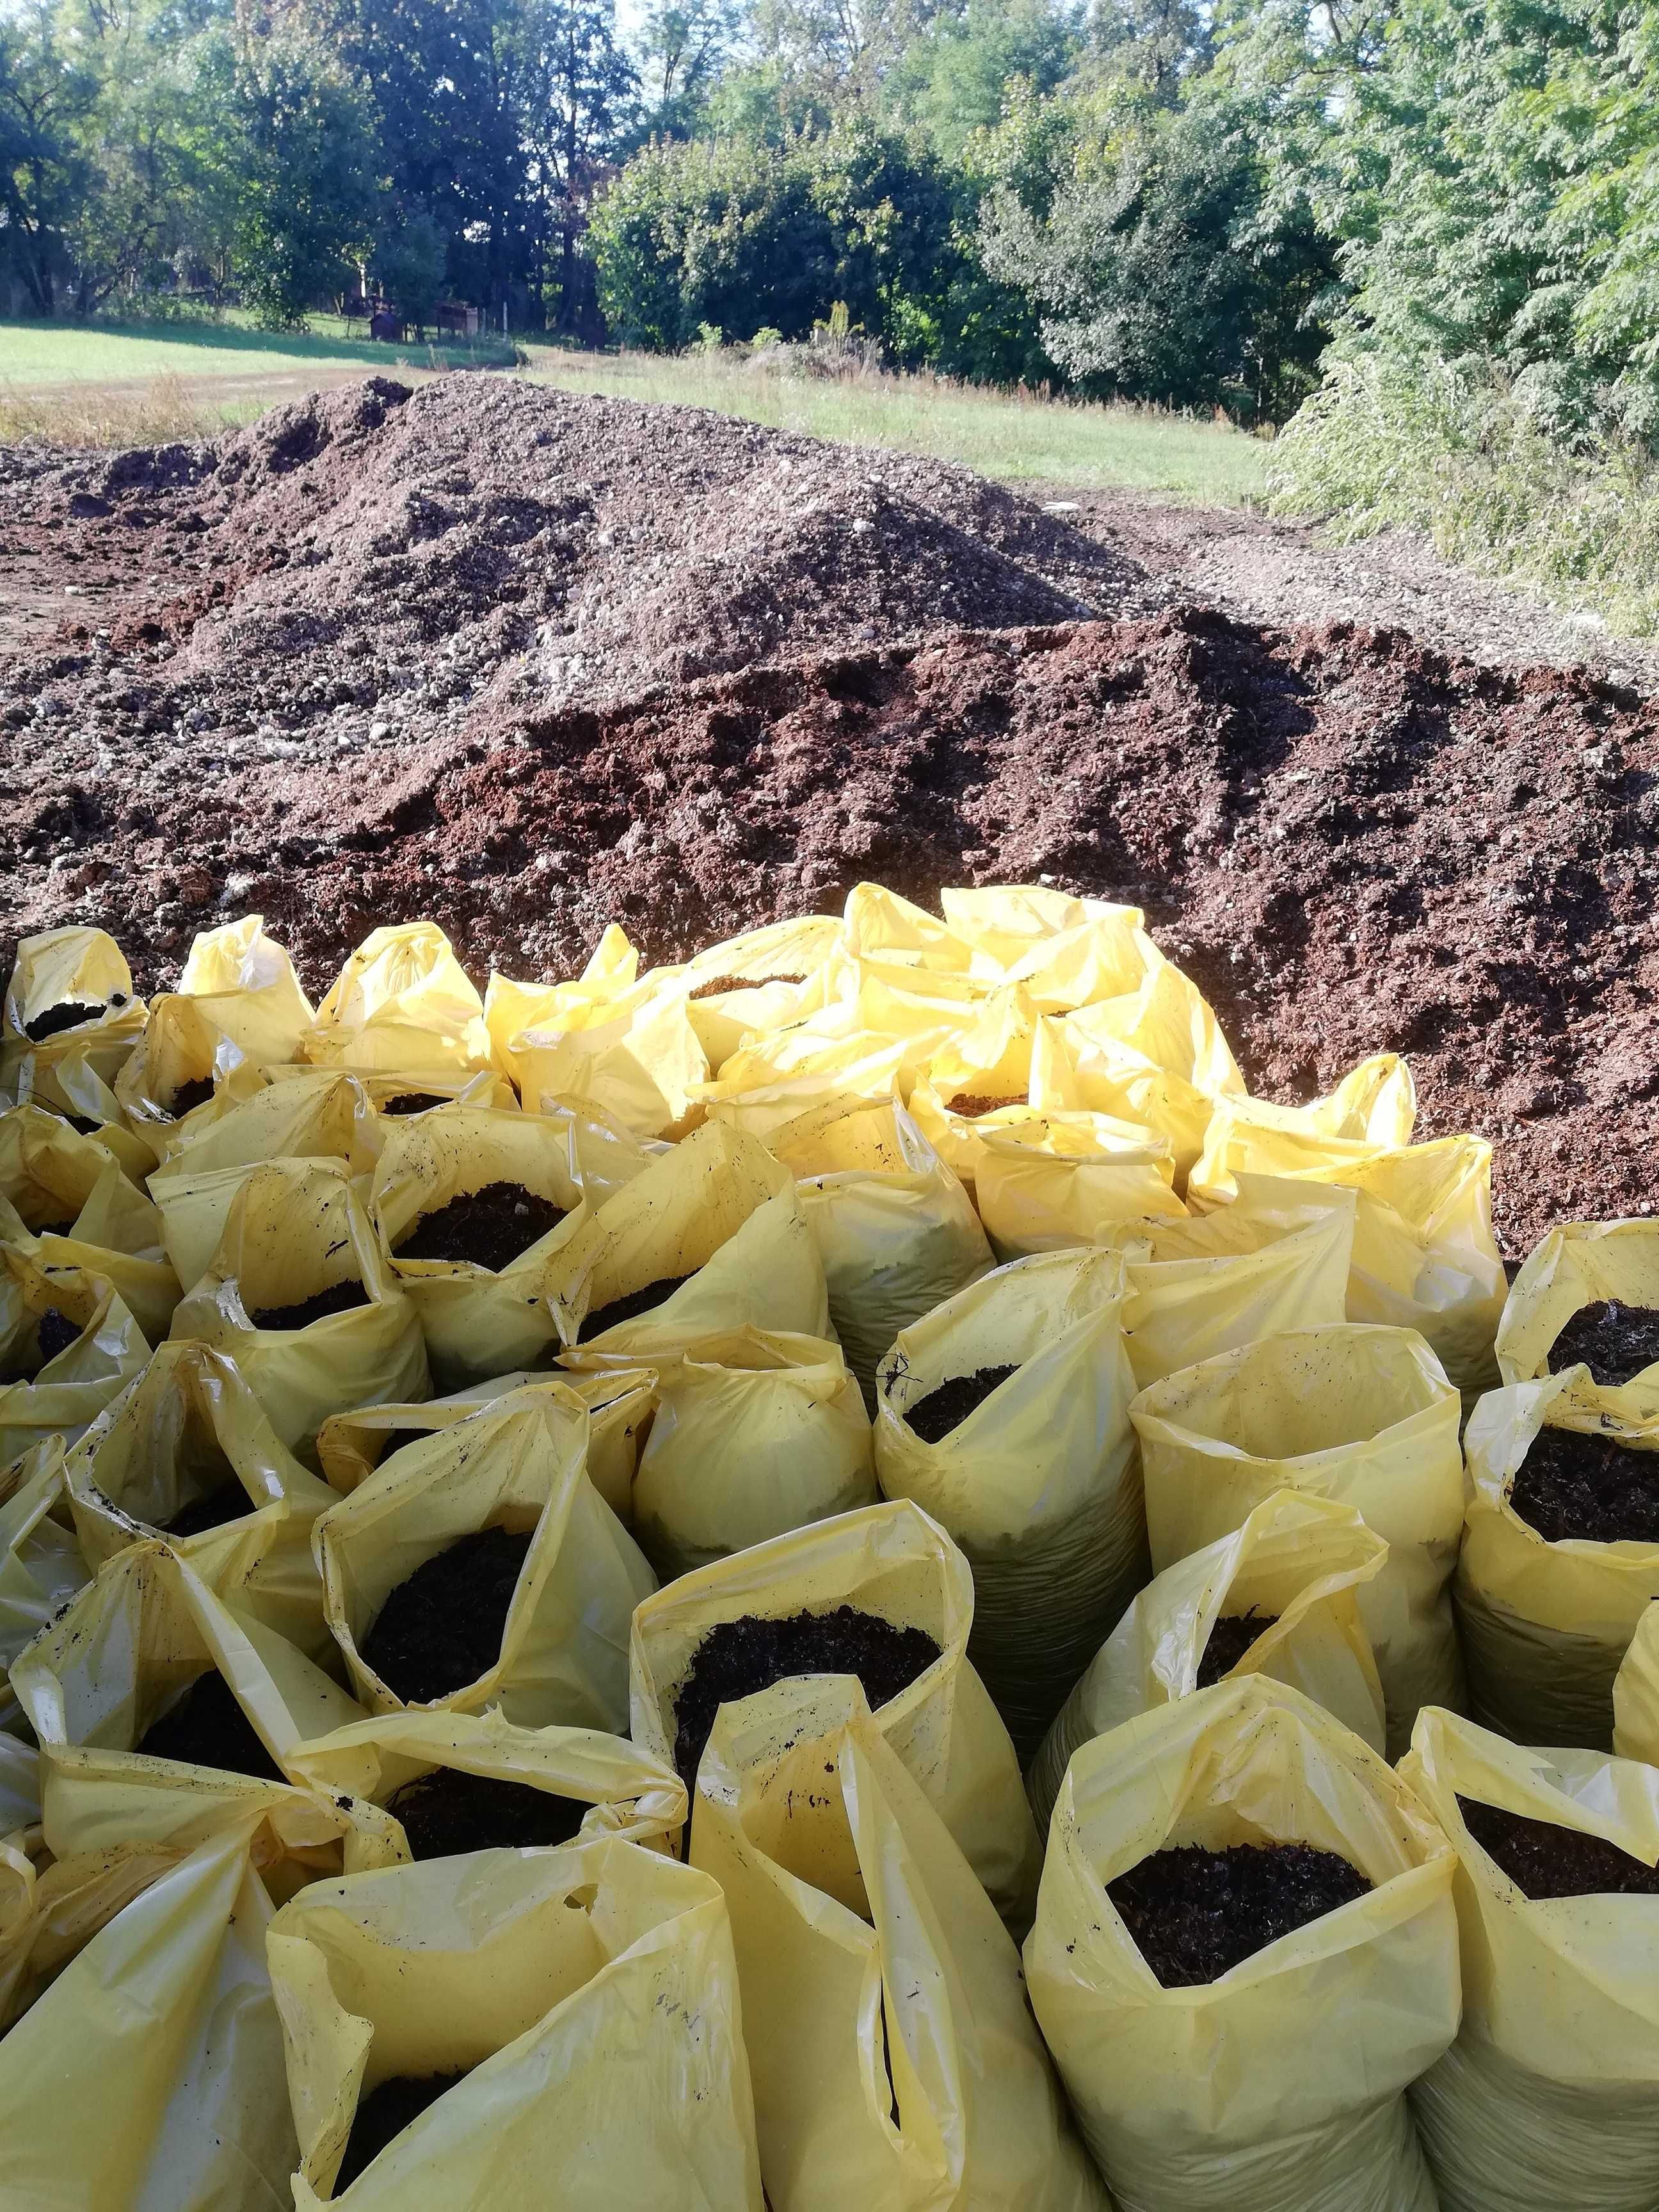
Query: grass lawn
point(67, 353)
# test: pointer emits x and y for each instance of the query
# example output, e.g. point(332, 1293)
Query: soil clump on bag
point(215, 1508)
point(721, 984)
point(412, 1102)
point(441, 1627)
point(1195, 1914)
point(54, 1332)
point(738, 1657)
point(344, 1297)
point(945, 1408)
point(1615, 1341)
point(490, 1226)
point(208, 1727)
point(973, 1105)
point(525, 662)
point(68, 1015)
point(384, 2114)
point(1544, 1860)
point(1229, 1640)
point(447, 1811)
point(1574, 1485)
point(630, 1306)
point(189, 1095)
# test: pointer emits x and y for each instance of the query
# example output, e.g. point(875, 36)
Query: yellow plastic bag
point(1279, 2085)
point(1423, 1254)
point(40, 1569)
point(1550, 2095)
point(511, 1007)
point(1055, 1180)
point(50, 1909)
point(477, 1322)
point(895, 2060)
point(1581, 1263)
point(1027, 932)
point(68, 1199)
point(63, 1395)
point(891, 1560)
point(1299, 1564)
point(619, 1402)
point(719, 1215)
point(401, 1003)
point(295, 1229)
point(150, 2074)
point(1276, 1258)
point(773, 968)
point(896, 1231)
point(1636, 1694)
point(880, 924)
point(250, 992)
point(189, 1427)
point(629, 1794)
point(1154, 1054)
point(588, 1993)
point(1544, 1626)
point(61, 969)
point(519, 1464)
point(758, 1097)
point(1041, 1483)
point(755, 1433)
point(79, 1094)
point(1362, 1416)
point(623, 1040)
point(96, 1680)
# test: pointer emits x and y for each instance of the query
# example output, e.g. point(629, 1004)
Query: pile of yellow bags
point(930, 1279)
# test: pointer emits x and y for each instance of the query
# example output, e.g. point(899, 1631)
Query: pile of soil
point(973, 1105)
point(490, 1226)
point(412, 1102)
point(738, 1657)
point(1195, 1914)
point(1614, 1341)
point(441, 1628)
point(68, 1015)
point(385, 2113)
point(629, 1306)
point(447, 1811)
point(933, 1418)
point(208, 1727)
point(54, 1332)
point(1573, 1485)
point(1544, 1860)
point(344, 1297)
point(189, 1095)
point(1352, 843)
point(721, 984)
point(215, 1508)
point(1229, 1640)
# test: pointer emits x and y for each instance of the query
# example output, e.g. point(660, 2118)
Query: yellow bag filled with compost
point(188, 1453)
point(165, 1718)
point(40, 1567)
point(754, 1096)
point(248, 990)
point(81, 1097)
point(1005, 1415)
point(300, 1295)
point(1013, 930)
point(754, 983)
point(619, 1400)
point(982, 1076)
point(69, 998)
point(1056, 1180)
point(67, 1346)
point(482, 1567)
point(894, 2057)
point(150, 2074)
point(1363, 1416)
point(884, 1594)
point(1277, 1258)
point(1423, 1254)
point(1587, 1299)
point(1084, 1076)
point(1279, 1596)
point(510, 1006)
point(68, 1200)
point(1560, 1559)
point(623, 1040)
point(1550, 2095)
point(51, 1908)
point(401, 1003)
point(711, 1235)
point(877, 923)
point(1154, 1054)
point(755, 1433)
point(1245, 1951)
point(471, 1205)
point(1636, 1694)
point(471, 1782)
point(896, 1231)
point(515, 2028)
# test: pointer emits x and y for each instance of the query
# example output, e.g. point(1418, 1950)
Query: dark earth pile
point(1544, 1860)
point(1571, 1483)
point(208, 1727)
point(342, 1297)
point(1195, 1914)
point(629, 1306)
point(738, 1657)
point(1614, 1341)
point(1229, 1640)
point(441, 1628)
point(375, 658)
point(448, 1811)
point(933, 1418)
point(54, 1332)
point(383, 2115)
point(215, 1508)
point(490, 1226)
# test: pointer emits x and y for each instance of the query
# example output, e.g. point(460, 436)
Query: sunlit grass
point(76, 353)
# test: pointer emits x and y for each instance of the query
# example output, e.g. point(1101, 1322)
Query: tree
point(409, 261)
point(956, 78)
point(573, 88)
point(681, 51)
point(46, 95)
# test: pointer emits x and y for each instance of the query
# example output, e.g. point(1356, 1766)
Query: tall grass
point(156, 413)
point(1459, 455)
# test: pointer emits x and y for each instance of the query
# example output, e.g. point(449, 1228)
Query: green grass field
point(101, 386)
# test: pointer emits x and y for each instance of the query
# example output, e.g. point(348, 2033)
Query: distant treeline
point(1146, 198)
